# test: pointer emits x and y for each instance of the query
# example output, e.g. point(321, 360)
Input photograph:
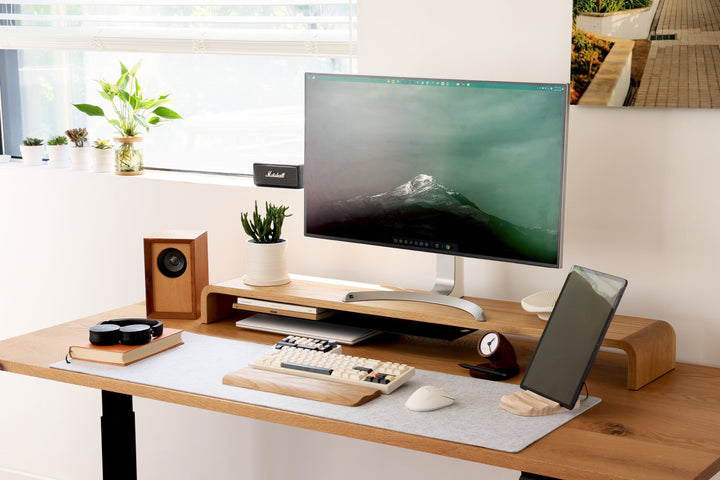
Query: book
point(126, 354)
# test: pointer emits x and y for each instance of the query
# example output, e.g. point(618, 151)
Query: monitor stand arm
point(440, 294)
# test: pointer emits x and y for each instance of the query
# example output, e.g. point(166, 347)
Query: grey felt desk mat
point(475, 418)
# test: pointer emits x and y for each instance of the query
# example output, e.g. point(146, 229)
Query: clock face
point(489, 344)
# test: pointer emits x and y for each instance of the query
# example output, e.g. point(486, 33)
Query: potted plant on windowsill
point(266, 251)
point(133, 114)
point(103, 156)
point(79, 154)
point(32, 151)
point(58, 152)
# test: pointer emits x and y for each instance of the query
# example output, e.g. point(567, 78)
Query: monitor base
point(440, 294)
point(427, 297)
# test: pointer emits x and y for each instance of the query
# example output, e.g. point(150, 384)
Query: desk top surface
point(667, 430)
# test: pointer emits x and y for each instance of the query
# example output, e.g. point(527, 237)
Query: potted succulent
point(32, 151)
point(79, 154)
point(266, 250)
point(132, 114)
point(58, 152)
point(103, 156)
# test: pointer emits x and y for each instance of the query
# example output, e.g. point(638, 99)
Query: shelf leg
point(117, 427)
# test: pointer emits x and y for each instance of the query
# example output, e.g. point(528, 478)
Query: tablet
point(573, 335)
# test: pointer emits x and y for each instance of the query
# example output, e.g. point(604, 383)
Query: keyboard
point(314, 358)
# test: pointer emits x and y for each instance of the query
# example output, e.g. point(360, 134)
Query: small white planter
point(58, 155)
point(32, 155)
point(103, 160)
point(80, 158)
point(266, 264)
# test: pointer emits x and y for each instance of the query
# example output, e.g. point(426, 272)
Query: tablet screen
point(573, 335)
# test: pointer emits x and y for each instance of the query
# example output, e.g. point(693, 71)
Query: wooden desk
point(670, 429)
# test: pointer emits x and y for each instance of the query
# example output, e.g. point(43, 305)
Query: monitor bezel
point(561, 212)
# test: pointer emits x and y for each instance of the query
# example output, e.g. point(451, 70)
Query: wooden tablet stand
point(530, 404)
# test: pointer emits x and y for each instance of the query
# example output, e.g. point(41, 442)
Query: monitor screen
point(573, 335)
point(459, 167)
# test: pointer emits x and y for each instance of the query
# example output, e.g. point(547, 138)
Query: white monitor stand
point(440, 293)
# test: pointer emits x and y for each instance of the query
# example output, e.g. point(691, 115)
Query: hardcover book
point(126, 354)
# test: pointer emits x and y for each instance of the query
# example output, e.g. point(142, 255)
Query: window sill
point(148, 175)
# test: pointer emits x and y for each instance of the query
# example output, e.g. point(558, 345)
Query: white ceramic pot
point(58, 155)
point(80, 158)
point(32, 155)
point(103, 160)
point(266, 264)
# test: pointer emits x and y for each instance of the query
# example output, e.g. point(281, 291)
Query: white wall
point(640, 204)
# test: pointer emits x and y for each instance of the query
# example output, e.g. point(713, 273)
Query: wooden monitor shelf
point(649, 344)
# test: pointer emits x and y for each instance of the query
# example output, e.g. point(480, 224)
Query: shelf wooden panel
point(649, 344)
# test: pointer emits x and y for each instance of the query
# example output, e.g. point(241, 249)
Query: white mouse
point(428, 398)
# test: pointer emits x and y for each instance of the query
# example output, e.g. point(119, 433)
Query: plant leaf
point(135, 69)
point(165, 112)
point(90, 110)
point(124, 96)
point(141, 120)
point(154, 120)
point(151, 103)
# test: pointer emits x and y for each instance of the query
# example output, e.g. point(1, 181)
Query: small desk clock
point(499, 351)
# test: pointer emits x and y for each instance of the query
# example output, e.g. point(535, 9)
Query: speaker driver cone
point(172, 262)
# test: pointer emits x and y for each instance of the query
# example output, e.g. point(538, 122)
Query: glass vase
point(128, 155)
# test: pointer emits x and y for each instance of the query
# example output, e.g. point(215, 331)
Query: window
point(234, 72)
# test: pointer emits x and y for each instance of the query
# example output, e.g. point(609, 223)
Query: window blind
point(257, 27)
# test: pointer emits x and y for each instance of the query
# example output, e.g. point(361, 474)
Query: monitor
point(452, 167)
point(573, 335)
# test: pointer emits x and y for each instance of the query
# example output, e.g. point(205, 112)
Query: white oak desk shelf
point(649, 344)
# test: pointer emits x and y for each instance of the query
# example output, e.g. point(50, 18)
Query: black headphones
point(128, 331)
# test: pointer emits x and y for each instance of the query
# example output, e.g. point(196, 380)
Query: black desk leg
point(117, 426)
point(532, 476)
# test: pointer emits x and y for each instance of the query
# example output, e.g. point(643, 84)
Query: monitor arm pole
point(440, 293)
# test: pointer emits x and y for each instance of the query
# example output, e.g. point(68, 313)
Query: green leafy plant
point(132, 112)
point(607, 6)
point(265, 229)
point(102, 144)
point(586, 58)
point(77, 135)
point(59, 140)
point(33, 142)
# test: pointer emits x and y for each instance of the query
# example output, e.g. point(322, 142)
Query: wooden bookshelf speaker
point(176, 271)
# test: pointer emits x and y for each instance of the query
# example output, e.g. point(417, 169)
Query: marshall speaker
point(176, 271)
point(269, 175)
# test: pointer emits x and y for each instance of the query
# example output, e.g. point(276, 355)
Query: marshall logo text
point(271, 174)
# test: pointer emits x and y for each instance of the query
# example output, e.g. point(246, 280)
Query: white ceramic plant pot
point(32, 155)
point(266, 264)
point(80, 158)
point(103, 160)
point(58, 155)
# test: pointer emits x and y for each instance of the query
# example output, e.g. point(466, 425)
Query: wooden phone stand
point(530, 404)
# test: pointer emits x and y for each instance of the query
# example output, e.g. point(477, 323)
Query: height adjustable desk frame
point(666, 430)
